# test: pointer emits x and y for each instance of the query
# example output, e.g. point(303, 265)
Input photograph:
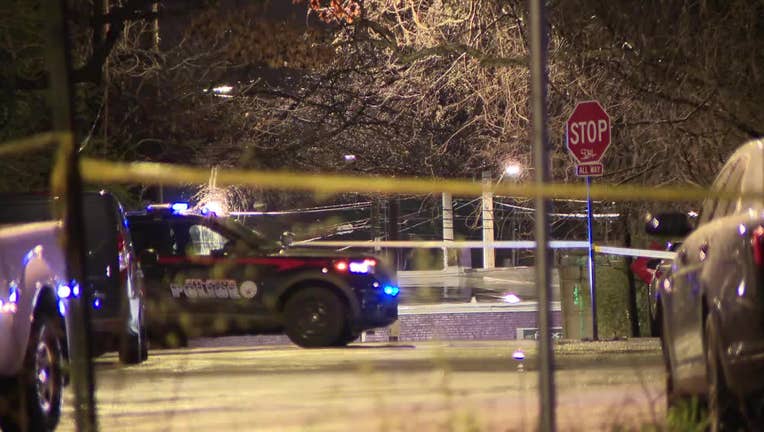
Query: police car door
point(210, 282)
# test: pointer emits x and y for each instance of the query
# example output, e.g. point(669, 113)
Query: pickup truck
point(112, 277)
point(33, 347)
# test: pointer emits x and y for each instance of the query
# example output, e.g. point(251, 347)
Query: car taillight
point(122, 251)
point(757, 243)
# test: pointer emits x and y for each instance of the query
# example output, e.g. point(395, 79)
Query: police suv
point(212, 276)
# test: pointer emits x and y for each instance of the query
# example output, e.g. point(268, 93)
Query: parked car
point(32, 351)
point(660, 268)
point(113, 275)
point(711, 300)
point(211, 276)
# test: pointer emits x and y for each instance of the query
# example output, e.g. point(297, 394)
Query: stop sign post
point(587, 137)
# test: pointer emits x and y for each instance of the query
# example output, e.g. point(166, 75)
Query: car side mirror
point(148, 257)
point(672, 224)
point(287, 238)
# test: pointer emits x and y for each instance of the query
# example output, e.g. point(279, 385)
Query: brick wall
point(473, 325)
point(462, 326)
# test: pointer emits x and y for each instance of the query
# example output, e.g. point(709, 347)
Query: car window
point(728, 206)
point(753, 182)
point(151, 235)
point(203, 241)
point(715, 207)
point(246, 235)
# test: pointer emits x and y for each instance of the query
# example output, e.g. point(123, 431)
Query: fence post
point(448, 224)
point(66, 182)
point(489, 253)
point(538, 67)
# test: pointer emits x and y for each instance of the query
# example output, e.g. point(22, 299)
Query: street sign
point(587, 137)
point(587, 170)
point(587, 132)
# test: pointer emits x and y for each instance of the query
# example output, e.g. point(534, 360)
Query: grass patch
point(687, 416)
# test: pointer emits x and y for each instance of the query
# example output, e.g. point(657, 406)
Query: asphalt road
point(226, 385)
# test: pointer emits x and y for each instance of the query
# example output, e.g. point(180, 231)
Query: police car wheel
point(348, 335)
point(145, 344)
point(314, 317)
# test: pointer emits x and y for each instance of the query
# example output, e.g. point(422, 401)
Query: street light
point(513, 170)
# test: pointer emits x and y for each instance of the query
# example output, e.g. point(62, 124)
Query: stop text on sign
point(588, 132)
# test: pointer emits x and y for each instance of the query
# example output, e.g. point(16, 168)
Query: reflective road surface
point(227, 384)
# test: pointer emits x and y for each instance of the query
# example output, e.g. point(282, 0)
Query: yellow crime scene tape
point(32, 143)
point(101, 171)
point(61, 142)
point(109, 172)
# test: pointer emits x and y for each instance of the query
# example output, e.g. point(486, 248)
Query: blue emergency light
point(179, 207)
point(176, 208)
point(391, 290)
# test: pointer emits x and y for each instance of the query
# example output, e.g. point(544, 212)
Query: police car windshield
point(250, 236)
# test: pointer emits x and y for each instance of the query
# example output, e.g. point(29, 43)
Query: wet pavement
point(229, 384)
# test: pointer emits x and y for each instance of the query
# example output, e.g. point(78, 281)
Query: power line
point(320, 209)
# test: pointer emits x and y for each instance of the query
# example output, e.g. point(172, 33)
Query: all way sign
point(589, 170)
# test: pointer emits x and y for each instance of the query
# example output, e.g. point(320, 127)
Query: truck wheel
point(131, 348)
point(315, 317)
point(145, 344)
point(40, 385)
point(723, 410)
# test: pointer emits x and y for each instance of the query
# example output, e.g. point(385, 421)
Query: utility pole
point(99, 36)
point(448, 224)
point(393, 232)
point(489, 255)
point(539, 40)
point(68, 184)
point(155, 25)
point(375, 222)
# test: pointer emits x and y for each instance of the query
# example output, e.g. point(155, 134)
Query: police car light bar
point(179, 207)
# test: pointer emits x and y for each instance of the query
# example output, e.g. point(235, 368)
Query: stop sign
point(587, 132)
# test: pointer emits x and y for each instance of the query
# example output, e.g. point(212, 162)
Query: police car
point(212, 276)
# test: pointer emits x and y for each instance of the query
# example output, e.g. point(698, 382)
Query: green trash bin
point(612, 296)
